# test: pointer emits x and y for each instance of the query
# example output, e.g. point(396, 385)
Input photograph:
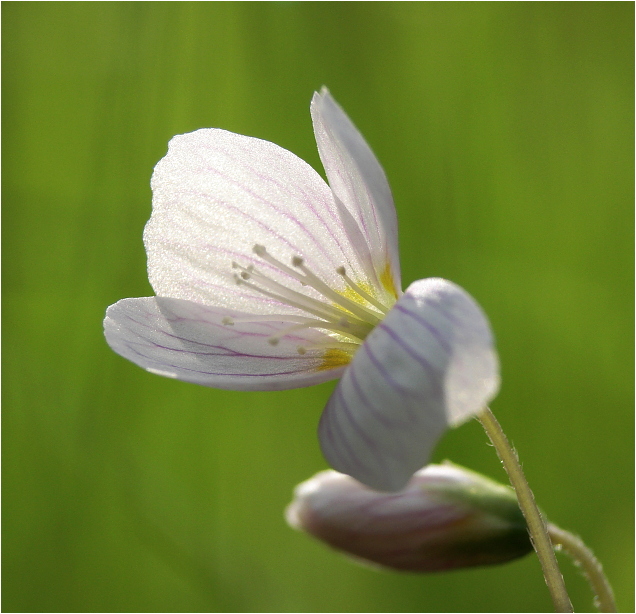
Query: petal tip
point(321, 94)
point(318, 101)
point(169, 374)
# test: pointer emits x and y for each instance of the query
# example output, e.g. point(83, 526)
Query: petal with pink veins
point(428, 365)
point(195, 343)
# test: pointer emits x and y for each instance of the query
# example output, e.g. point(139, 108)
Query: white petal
point(190, 342)
point(215, 195)
point(359, 182)
point(429, 364)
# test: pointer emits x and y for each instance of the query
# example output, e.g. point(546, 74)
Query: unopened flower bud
point(446, 518)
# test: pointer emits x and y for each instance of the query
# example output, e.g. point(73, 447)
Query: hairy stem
point(590, 565)
point(536, 524)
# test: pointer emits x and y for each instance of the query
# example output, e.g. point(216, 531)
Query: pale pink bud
point(446, 518)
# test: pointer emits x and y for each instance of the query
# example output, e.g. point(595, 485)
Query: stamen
point(341, 345)
point(256, 319)
point(362, 312)
point(261, 252)
point(346, 317)
point(358, 329)
point(356, 288)
point(312, 324)
point(312, 305)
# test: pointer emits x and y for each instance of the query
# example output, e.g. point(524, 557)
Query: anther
point(259, 250)
point(227, 321)
point(301, 350)
point(273, 340)
point(297, 261)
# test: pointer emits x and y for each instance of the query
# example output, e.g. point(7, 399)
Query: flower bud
point(446, 518)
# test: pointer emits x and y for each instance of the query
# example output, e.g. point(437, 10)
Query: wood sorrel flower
point(446, 518)
point(268, 278)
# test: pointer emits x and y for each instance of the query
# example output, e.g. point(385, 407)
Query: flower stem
point(536, 524)
point(592, 569)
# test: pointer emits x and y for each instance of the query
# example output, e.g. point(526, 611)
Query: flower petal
point(359, 182)
point(215, 195)
point(189, 341)
point(429, 364)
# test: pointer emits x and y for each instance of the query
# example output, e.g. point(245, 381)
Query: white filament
point(341, 315)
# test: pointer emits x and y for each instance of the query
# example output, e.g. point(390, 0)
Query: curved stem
point(536, 525)
point(592, 569)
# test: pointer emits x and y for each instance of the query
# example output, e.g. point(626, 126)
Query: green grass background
point(506, 131)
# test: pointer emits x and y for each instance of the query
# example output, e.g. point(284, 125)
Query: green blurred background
point(506, 132)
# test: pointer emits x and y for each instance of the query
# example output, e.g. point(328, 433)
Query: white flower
point(267, 278)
